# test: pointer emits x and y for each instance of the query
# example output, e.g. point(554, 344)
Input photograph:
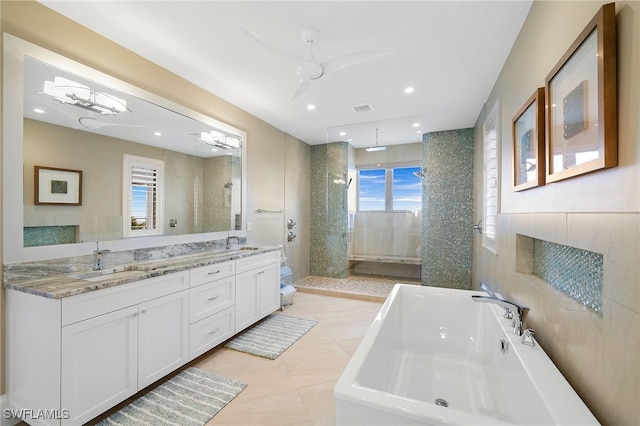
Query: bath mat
point(192, 397)
point(272, 336)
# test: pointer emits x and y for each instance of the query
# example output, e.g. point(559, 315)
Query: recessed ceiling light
point(39, 110)
point(343, 133)
point(157, 133)
point(311, 107)
point(409, 89)
point(419, 131)
point(416, 124)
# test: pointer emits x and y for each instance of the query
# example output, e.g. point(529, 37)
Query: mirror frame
point(14, 52)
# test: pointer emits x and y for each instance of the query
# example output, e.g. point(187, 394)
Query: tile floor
point(297, 387)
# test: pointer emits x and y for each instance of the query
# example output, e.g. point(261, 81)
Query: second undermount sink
point(103, 274)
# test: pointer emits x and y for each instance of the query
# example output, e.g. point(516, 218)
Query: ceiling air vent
point(362, 108)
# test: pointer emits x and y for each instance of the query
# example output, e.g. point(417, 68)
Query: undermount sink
point(103, 274)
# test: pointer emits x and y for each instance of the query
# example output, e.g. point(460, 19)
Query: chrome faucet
point(519, 322)
point(229, 238)
point(98, 264)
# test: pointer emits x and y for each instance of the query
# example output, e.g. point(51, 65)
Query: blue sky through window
point(406, 189)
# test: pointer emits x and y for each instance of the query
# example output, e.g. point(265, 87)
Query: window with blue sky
point(389, 189)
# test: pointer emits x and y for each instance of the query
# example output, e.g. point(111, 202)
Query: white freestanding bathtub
point(431, 344)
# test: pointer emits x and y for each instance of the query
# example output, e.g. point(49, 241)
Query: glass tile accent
point(49, 235)
point(577, 273)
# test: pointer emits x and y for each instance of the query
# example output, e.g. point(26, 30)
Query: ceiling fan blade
point(302, 87)
point(356, 58)
point(259, 40)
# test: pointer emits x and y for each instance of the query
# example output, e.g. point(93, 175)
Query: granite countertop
point(58, 286)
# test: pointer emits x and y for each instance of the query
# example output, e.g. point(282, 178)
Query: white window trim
point(490, 220)
point(130, 161)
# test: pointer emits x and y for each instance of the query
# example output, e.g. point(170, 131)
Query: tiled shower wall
point(329, 242)
point(447, 207)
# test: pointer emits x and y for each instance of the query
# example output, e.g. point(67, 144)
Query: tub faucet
point(229, 238)
point(519, 322)
point(98, 264)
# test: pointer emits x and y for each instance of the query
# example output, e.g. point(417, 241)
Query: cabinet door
point(246, 299)
point(269, 289)
point(163, 336)
point(99, 363)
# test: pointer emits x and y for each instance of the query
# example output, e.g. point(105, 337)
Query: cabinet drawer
point(98, 302)
point(208, 299)
point(256, 261)
point(211, 331)
point(208, 273)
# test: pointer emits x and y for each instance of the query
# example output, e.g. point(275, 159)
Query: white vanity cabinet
point(86, 353)
point(257, 288)
point(126, 349)
point(78, 356)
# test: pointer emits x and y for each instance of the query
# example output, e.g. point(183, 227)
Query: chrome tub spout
point(519, 322)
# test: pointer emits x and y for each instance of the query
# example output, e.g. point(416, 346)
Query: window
point(143, 180)
point(491, 181)
point(390, 189)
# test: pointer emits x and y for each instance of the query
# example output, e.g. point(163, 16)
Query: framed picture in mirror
point(55, 186)
point(528, 143)
point(581, 98)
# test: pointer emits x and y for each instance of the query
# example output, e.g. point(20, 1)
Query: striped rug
point(192, 397)
point(272, 336)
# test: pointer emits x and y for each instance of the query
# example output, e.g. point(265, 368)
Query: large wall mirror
point(69, 136)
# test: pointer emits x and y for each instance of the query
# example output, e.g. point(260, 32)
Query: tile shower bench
point(80, 343)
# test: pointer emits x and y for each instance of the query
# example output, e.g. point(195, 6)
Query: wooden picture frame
point(58, 187)
point(581, 103)
point(528, 143)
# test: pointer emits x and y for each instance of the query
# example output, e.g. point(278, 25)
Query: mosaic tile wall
point(329, 164)
point(447, 207)
point(49, 235)
point(577, 273)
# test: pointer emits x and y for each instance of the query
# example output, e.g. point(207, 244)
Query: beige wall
point(33, 22)
point(599, 355)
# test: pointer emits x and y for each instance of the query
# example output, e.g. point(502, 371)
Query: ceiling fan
point(308, 68)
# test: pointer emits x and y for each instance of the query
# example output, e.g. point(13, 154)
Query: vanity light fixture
point(69, 92)
point(219, 140)
point(376, 147)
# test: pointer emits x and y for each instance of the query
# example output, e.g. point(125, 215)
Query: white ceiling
point(451, 52)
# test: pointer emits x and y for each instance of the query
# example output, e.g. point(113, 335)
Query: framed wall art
point(528, 143)
point(581, 103)
point(54, 186)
